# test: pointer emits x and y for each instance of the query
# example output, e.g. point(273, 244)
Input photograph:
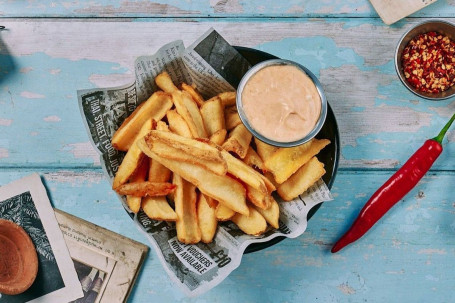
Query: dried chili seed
point(427, 62)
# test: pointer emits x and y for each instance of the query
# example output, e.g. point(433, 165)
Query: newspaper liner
point(208, 62)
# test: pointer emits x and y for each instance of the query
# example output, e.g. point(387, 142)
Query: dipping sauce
point(281, 103)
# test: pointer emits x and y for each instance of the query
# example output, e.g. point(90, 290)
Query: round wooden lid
point(18, 259)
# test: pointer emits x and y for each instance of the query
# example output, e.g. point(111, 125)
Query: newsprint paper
point(214, 66)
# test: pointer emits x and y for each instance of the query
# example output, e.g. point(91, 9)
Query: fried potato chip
point(231, 117)
point(132, 159)
point(133, 202)
point(157, 208)
point(271, 214)
point(207, 219)
point(213, 115)
point(238, 141)
point(154, 108)
point(194, 94)
point(243, 172)
point(145, 188)
point(189, 111)
point(257, 197)
point(299, 182)
point(187, 225)
point(177, 124)
point(219, 137)
point(165, 82)
point(174, 147)
point(286, 161)
point(227, 98)
point(223, 213)
point(221, 188)
point(265, 151)
point(252, 159)
point(253, 224)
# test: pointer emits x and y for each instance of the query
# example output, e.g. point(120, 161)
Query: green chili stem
point(441, 135)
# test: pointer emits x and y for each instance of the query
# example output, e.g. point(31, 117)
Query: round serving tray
point(329, 155)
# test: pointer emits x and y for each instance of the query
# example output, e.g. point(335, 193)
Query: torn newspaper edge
point(26, 203)
point(214, 66)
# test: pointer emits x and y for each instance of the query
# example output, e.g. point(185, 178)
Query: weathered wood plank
point(44, 62)
point(206, 8)
point(409, 253)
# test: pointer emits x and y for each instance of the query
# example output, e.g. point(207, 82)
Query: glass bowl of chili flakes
point(425, 59)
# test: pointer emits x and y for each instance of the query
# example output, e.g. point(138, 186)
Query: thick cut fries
point(257, 197)
point(145, 188)
point(299, 182)
point(223, 213)
point(286, 161)
point(231, 117)
point(271, 214)
point(253, 224)
point(221, 188)
point(194, 94)
point(164, 82)
point(189, 111)
point(238, 141)
point(134, 203)
point(244, 172)
point(252, 159)
point(158, 172)
point(177, 124)
point(219, 137)
point(227, 98)
point(207, 219)
point(188, 230)
point(157, 208)
point(213, 115)
point(264, 150)
point(154, 108)
point(132, 159)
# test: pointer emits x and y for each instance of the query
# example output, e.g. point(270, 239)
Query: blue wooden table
point(52, 48)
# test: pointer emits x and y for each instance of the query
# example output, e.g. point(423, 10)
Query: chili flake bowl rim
point(420, 28)
point(273, 62)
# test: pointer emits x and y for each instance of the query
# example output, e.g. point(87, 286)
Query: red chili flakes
point(429, 62)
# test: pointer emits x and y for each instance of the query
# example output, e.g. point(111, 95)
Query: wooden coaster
point(18, 259)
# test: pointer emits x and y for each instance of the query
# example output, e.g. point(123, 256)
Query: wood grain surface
point(52, 48)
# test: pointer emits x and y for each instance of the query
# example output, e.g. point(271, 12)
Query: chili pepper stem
point(443, 132)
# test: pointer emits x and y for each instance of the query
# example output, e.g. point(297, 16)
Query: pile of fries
point(193, 162)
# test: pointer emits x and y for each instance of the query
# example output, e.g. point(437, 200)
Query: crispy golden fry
point(213, 115)
point(253, 224)
point(257, 197)
point(194, 94)
point(231, 117)
point(223, 213)
point(132, 159)
point(154, 108)
point(211, 202)
point(157, 208)
point(189, 111)
point(264, 150)
point(145, 188)
point(207, 219)
point(238, 141)
point(271, 186)
point(269, 176)
point(134, 203)
point(185, 196)
point(165, 82)
point(299, 182)
point(174, 147)
point(162, 126)
point(286, 161)
point(246, 174)
point(252, 159)
point(177, 124)
point(219, 137)
point(221, 188)
point(271, 214)
point(158, 173)
point(227, 98)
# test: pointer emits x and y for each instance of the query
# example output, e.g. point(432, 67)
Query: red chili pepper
point(395, 188)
